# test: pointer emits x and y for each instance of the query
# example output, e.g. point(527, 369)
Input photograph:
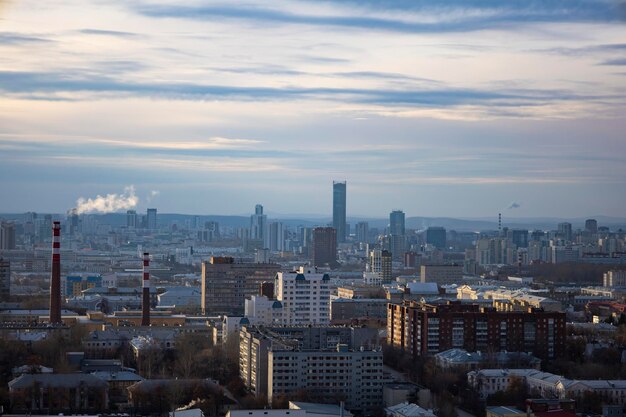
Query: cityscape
point(313, 208)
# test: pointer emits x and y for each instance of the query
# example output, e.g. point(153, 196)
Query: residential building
point(131, 219)
point(380, 263)
point(591, 226)
point(258, 226)
point(565, 231)
point(226, 284)
point(305, 296)
point(421, 329)
point(614, 279)
point(362, 232)
point(260, 309)
point(74, 285)
point(328, 362)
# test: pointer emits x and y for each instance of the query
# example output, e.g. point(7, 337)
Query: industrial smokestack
point(55, 276)
point(145, 303)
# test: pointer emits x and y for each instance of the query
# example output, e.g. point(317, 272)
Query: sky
point(460, 108)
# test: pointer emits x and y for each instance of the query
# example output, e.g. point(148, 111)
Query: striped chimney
point(145, 302)
point(55, 276)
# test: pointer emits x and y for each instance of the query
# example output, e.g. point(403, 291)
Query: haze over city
point(456, 108)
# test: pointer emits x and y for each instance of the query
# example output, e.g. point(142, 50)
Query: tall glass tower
point(339, 210)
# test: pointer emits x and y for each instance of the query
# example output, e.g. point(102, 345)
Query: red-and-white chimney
point(55, 276)
point(145, 302)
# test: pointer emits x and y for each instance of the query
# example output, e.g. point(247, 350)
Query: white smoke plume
point(514, 205)
point(109, 203)
point(153, 194)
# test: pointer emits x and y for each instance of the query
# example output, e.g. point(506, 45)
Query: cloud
point(619, 61)
point(115, 33)
point(412, 16)
point(514, 205)
point(109, 203)
point(11, 38)
point(57, 83)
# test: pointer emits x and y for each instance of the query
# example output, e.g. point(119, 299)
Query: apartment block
point(422, 329)
point(305, 296)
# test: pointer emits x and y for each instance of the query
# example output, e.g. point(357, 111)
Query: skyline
point(450, 109)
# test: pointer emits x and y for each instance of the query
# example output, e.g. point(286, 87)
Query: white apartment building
point(261, 310)
point(356, 376)
point(305, 296)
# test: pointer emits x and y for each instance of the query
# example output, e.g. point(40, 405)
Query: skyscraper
point(131, 219)
point(565, 230)
point(276, 237)
point(324, 246)
point(258, 226)
point(591, 225)
point(396, 233)
point(396, 223)
point(362, 232)
point(151, 218)
point(339, 210)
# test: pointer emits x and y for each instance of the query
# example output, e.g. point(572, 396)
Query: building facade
point(324, 246)
point(226, 284)
point(305, 296)
point(339, 210)
point(421, 329)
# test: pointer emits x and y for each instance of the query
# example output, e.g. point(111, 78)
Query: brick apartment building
point(422, 329)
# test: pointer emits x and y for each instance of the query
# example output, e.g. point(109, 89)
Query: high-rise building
point(5, 279)
point(362, 232)
point(380, 263)
point(225, 284)
point(519, 237)
point(324, 246)
point(441, 274)
point(591, 226)
point(305, 296)
point(276, 237)
point(151, 218)
point(435, 328)
point(565, 231)
point(339, 210)
point(131, 219)
point(396, 223)
point(436, 236)
point(7, 235)
point(258, 226)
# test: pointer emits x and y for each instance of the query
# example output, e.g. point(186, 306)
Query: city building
point(339, 210)
point(329, 362)
point(5, 280)
point(7, 235)
point(421, 329)
point(565, 231)
point(380, 263)
point(436, 236)
point(324, 246)
point(362, 232)
point(226, 284)
point(305, 296)
point(276, 237)
point(258, 226)
point(74, 285)
point(58, 393)
point(441, 274)
point(591, 226)
point(131, 219)
point(397, 234)
point(151, 218)
point(260, 309)
point(614, 279)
